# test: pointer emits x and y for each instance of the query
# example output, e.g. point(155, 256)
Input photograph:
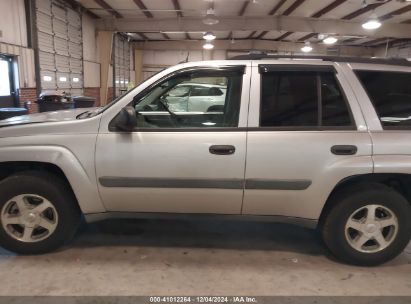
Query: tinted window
point(390, 92)
point(294, 99)
point(289, 99)
point(334, 108)
point(191, 102)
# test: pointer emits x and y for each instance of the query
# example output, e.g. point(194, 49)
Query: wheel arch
point(57, 160)
point(400, 182)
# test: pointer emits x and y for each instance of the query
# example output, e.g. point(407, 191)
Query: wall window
point(192, 101)
point(302, 99)
point(390, 93)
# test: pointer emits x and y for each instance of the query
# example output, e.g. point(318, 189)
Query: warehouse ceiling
point(273, 20)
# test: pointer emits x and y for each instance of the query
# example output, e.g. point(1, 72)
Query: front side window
point(192, 101)
point(390, 93)
point(300, 98)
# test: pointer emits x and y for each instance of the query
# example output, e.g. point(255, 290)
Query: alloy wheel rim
point(29, 218)
point(371, 228)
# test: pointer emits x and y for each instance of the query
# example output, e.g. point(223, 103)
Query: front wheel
point(367, 225)
point(38, 213)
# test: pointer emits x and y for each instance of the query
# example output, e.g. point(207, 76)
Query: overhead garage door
point(60, 47)
point(121, 64)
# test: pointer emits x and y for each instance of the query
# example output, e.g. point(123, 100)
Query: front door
point(178, 160)
point(7, 88)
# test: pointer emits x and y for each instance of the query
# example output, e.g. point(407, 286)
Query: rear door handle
point(344, 149)
point(222, 149)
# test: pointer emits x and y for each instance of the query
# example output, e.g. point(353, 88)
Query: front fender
point(83, 184)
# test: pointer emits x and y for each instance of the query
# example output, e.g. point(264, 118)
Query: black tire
point(57, 192)
point(348, 201)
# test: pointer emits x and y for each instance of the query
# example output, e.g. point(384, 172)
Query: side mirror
point(126, 120)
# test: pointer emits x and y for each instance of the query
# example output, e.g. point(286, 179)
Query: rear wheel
point(38, 213)
point(367, 225)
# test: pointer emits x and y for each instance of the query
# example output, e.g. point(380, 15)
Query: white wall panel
point(25, 61)
point(91, 74)
point(90, 51)
point(13, 22)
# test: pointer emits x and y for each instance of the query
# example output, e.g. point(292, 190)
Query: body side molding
point(261, 184)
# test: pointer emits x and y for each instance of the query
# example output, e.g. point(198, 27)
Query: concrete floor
point(197, 257)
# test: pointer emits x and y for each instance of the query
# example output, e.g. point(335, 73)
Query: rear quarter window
point(390, 93)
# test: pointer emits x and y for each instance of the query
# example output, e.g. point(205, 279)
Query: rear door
point(306, 133)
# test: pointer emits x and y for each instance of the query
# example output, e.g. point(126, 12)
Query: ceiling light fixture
point(208, 46)
point(330, 40)
point(307, 48)
point(371, 24)
point(210, 18)
point(209, 36)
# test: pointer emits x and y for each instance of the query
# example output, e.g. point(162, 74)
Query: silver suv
point(323, 141)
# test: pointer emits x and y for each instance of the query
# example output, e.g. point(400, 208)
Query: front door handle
point(344, 149)
point(222, 149)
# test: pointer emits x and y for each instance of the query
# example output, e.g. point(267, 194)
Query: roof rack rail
point(389, 61)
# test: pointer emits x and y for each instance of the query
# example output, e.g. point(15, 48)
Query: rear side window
point(302, 99)
point(390, 93)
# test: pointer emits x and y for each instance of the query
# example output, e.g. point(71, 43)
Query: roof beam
point(293, 7)
point(243, 8)
point(143, 7)
point(376, 41)
point(283, 36)
point(394, 42)
point(143, 36)
point(246, 45)
point(397, 12)
point(349, 40)
point(241, 13)
point(328, 8)
point(177, 7)
point(277, 7)
point(268, 23)
point(322, 12)
point(261, 35)
point(306, 37)
point(252, 34)
point(108, 8)
point(363, 10)
point(273, 11)
point(76, 5)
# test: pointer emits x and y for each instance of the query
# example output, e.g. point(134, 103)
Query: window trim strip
point(246, 129)
point(267, 68)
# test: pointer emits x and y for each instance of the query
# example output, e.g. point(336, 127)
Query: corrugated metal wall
point(121, 64)
point(60, 47)
point(25, 64)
